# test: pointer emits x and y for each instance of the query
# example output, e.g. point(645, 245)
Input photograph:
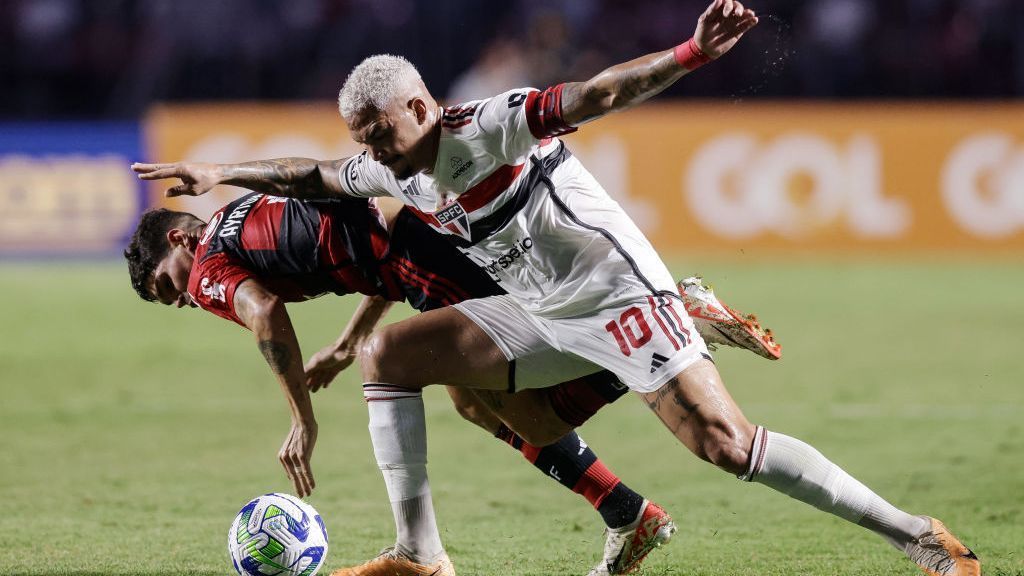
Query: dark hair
point(149, 246)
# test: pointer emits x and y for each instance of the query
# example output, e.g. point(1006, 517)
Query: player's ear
point(419, 109)
point(177, 237)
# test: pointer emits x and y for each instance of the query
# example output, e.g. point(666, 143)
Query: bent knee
point(727, 447)
point(379, 359)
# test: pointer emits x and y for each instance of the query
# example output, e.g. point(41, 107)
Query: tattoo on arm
point(293, 177)
point(619, 87)
point(277, 354)
point(636, 84)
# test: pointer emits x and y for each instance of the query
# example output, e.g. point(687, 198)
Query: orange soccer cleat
point(392, 562)
point(938, 553)
point(720, 324)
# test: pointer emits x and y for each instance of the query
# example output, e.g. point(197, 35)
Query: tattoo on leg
point(277, 355)
point(677, 398)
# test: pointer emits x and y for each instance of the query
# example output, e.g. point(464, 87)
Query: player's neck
point(432, 142)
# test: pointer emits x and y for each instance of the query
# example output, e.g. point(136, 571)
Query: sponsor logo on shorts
point(518, 250)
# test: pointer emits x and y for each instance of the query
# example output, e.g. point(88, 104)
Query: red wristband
point(689, 56)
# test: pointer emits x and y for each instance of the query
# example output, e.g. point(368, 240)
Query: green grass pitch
point(131, 434)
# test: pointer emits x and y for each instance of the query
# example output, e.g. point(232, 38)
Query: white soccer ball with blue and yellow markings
point(277, 535)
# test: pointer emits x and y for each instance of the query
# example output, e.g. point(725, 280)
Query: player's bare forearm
point(366, 317)
point(266, 316)
point(628, 84)
point(292, 177)
point(620, 87)
point(339, 355)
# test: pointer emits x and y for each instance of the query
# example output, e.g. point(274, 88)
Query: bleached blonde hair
point(375, 83)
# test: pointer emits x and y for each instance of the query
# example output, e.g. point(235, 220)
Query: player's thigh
point(697, 408)
point(439, 346)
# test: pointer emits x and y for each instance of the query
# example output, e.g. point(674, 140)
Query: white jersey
point(509, 194)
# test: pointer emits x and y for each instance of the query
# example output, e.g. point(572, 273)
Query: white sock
point(399, 434)
point(798, 470)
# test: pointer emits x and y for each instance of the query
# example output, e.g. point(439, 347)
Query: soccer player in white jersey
point(581, 279)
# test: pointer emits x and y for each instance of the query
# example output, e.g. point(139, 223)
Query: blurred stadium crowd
point(112, 58)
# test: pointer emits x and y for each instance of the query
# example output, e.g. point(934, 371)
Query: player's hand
point(722, 25)
point(325, 365)
point(197, 178)
point(295, 455)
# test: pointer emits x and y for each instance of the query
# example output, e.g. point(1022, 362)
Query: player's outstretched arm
point(265, 314)
point(292, 177)
point(628, 84)
point(335, 357)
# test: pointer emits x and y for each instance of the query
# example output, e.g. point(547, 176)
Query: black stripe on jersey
point(539, 167)
point(488, 225)
point(458, 113)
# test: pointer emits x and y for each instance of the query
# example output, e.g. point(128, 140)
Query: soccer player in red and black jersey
point(261, 251)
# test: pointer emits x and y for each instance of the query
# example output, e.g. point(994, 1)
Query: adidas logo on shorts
point(657, 361)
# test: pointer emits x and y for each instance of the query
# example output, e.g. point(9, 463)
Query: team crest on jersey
point(211, 228)
point(454, 220)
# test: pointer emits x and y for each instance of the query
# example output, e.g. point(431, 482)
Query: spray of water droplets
point(776, 56)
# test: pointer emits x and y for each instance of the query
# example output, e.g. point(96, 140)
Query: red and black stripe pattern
point(758, 449)
point(430, 271)
point(377, 392)
point(458, 116)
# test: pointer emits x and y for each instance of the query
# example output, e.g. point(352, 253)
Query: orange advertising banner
point(702, 176)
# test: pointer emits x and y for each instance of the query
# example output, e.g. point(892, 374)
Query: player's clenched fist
point(722, 25)
point(197, 178)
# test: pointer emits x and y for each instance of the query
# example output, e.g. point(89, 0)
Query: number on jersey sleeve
point(364, 177)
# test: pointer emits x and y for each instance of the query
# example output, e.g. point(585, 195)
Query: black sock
point(574, 465)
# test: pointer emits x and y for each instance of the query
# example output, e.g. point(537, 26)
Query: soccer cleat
point(938, 553)
point(720, 324)
point(391, 562)
point(625, 548)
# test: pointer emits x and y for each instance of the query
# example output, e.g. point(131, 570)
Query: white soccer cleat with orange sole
point(719, 324)
point(625, 548)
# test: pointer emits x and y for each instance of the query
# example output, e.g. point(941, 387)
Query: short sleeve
point(520, 118)
point(364, 177)
point(213, 282)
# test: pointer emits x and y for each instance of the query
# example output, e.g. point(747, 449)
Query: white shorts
point(644, 342)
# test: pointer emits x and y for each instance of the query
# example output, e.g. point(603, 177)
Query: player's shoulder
point(484, 110)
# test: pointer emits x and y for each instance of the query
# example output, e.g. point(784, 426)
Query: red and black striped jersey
point(296, 249)
point(303, 249)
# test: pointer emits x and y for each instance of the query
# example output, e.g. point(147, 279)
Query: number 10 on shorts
point(632, 331)
point(625, 330)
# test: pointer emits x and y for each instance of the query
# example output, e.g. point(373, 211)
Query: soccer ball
point(277, 535)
